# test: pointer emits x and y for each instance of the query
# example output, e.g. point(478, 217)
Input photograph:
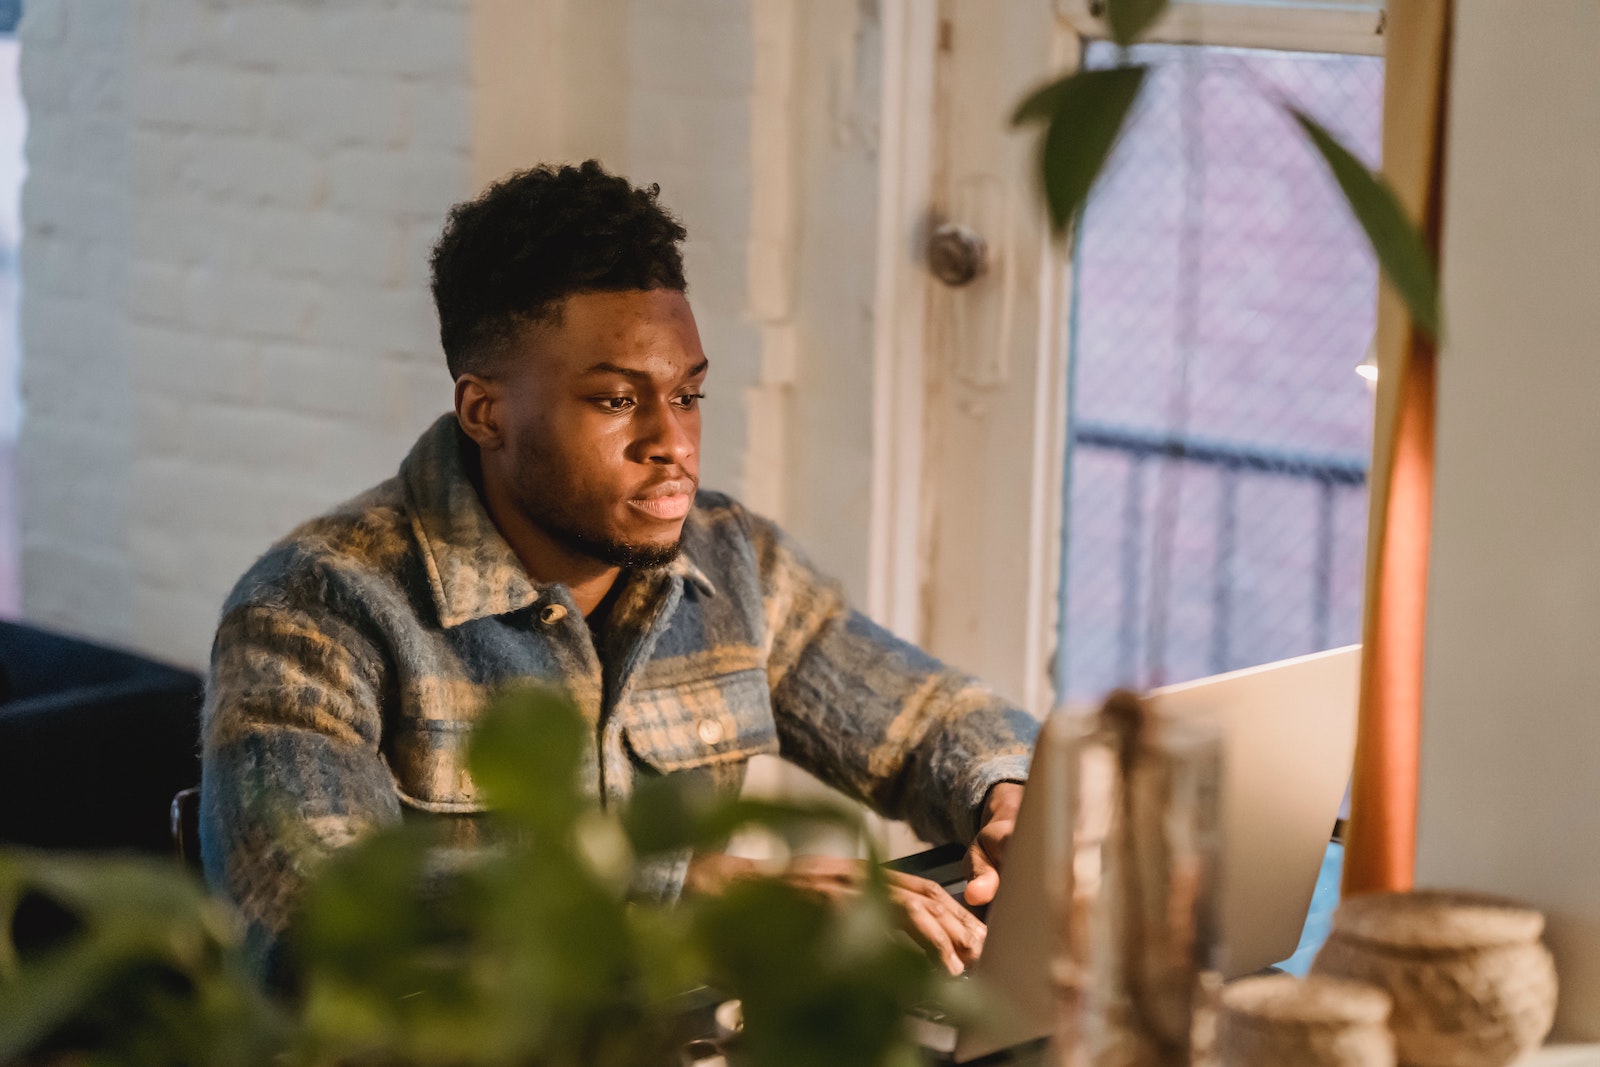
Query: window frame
point(1350, 27)
point(913, 539)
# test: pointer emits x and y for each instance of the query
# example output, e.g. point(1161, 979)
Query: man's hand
point(999, 818)
point(924, 910)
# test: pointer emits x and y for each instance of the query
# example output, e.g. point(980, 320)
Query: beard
point(615, 552)
point(566, 512)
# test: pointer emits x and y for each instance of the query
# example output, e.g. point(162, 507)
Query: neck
point(546, 559)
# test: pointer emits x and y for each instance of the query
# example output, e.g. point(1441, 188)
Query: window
point(1218, 437)
point(1165, 416)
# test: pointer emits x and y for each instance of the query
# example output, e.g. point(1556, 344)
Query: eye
point(689, 401)
point(614, 405)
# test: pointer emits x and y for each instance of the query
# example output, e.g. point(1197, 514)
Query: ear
point(477, 410)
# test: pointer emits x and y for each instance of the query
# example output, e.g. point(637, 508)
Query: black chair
point(94, 743)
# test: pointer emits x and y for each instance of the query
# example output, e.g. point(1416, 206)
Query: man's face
point(601, 414)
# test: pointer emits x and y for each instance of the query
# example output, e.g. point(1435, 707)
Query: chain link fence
point(1218, 444)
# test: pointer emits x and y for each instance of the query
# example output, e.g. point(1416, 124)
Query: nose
point(671, 435)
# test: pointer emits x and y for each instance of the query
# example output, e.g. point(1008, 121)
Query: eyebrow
point(640, 375)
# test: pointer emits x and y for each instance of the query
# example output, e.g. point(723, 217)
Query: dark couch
point(94, 743)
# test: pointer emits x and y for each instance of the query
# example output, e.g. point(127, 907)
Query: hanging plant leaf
point(1086, 111)
point(1402, 253)
point(1127, 19)
point(1040, 104)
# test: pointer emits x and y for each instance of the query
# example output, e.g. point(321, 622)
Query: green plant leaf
point(1127, 19)
point(842, 964)
point(1402, 253)
point(683, 811)
point(150, 962)
point(1087, 111)
point(1040, 104)
point(55, 989)
point(525, 756)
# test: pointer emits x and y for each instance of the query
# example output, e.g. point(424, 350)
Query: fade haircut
point(507, 259)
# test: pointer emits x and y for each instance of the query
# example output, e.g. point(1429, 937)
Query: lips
point(665, 501)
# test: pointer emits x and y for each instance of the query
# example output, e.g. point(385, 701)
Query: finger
point(995, 837)
point(913, 883)
point(827, 876)
point(924, 925)
point(966, 932)
point(984, 879)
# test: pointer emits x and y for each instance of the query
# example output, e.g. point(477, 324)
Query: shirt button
point(710, 731)
point(552, 613)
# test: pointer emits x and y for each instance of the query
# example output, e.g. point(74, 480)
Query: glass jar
point(1133, 868)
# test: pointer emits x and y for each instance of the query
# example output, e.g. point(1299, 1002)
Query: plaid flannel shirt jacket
point(351, 660)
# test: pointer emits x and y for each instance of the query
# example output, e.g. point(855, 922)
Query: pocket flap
point(721, 719)
point(429, 760)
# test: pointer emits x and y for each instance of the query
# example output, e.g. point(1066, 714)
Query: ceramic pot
point(1472, 984)
point(1318, 1022)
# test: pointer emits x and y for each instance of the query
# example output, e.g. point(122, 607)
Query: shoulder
point(367, 537)
point(720, 530)
point(719, 518)
point(726, 539)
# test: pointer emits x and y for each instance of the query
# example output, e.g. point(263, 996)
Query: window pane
point(1219, 435)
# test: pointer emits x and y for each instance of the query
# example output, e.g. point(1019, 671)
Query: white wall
point(1511, 733)
point(225, 316)
point(828, 468)
point(73, 474)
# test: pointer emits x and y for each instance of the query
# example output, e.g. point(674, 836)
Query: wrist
point(1000, 802)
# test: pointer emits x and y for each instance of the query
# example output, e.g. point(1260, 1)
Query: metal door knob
point(957, 254)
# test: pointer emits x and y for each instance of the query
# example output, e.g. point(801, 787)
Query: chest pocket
point(429, 760)
point(707, 722)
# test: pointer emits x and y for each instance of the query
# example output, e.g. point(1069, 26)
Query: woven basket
point(1318, 1022)
point(1471, 982)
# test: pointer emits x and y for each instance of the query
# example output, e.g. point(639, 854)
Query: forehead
point(651, 330)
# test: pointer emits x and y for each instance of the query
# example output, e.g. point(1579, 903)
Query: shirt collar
point(471, 569)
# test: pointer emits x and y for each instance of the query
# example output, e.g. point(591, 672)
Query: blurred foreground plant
point(411, 951)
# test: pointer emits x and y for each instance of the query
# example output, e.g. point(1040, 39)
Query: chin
point(627, 548)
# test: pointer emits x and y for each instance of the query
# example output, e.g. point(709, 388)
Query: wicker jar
point(1472, 984)
point(1319, 1022)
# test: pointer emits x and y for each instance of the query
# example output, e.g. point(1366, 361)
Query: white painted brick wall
point(691, 76)
point(227, 220)
point(222, 334)
point(73, 486)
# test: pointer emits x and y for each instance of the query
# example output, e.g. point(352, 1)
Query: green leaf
point(151, 962)
point(1040, 104)
point(1127, 19)
point(841, 963)
point(683, 811)
point(54, 990)
point(1402, 253)
point(1087, 112)
point(525, 757)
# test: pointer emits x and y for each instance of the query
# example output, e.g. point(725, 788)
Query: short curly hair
point(507, 258)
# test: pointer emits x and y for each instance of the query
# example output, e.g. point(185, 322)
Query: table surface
point(1557, 1055)
point(1565, 1056)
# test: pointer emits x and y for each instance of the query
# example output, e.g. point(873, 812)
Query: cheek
point(591, 456)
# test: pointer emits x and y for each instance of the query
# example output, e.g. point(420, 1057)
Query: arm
point(291, 766)
point(873, 715)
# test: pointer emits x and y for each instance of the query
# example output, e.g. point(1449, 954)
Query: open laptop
point(1289, 741)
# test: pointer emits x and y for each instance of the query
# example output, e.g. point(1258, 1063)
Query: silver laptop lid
point(1290, 741)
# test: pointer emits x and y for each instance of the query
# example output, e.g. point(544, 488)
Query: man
point(552, 528)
